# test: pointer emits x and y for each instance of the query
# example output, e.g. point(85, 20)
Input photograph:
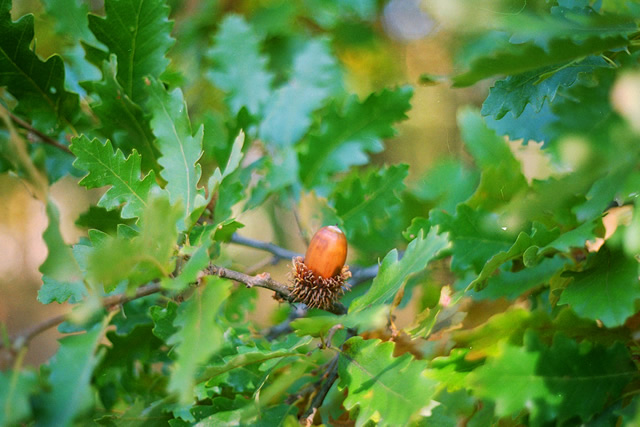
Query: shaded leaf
point(387, 389)
point(38, 86)
point(348, 133)
point(198, 337)
point(16, 389)
point(239, 68)
point(138, 33)
point(607, 291)
point(70, 378)
point(287, 114)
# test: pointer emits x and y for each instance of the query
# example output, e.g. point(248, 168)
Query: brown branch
point(262, 280)
point(331, 377)
point(41, 135)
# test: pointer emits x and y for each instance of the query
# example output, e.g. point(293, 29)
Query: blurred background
point(398, 43)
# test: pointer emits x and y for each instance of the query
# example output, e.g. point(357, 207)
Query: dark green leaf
point(38, 86)
point(348, 133)
point(199, 336)
point(138, 33)
point(607, 291)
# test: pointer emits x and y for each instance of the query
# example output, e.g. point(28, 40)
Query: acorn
point(319, 279)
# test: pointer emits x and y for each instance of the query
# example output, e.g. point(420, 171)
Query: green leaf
point(524, 241)
point(163, 320)
point(362, 320)
point(70, 378)
point(199, 335)
point(393, 273)
point(576, 238)
point(70, 18)
point(349, 132)
point(189, 272)
point(607, 291)
point(179, 148)
point(535, 87)
point(16, 389)
point(287, 114)
point(502, 176)
point(38, 86)
point(361, 200)
point(446, 184)
point(142, 258)
point(246, 356)
point(53, 290)
point(107, 168)
point(539, 42)
point(239, 68)
point(386, 389)
point(475, 236)
point(559, 382)
point(60, 263)
point(138, 33)
point(121, 119)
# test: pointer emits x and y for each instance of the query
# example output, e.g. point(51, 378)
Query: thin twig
point(41, 135)
point(331, 377)
point(358, 274)
point(265, 246)
point(262, 280)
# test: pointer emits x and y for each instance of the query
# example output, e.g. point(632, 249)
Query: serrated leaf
point(531, 42)
point(163, 320)
point(350, 132)
point(139, 259)
point(60, 263)
point(529, 126)
point(38, 86)
point(535, 88)
point(362, 320)
point(293, 346)
point(199, 336)
point(475, 236)
point(138, 33)
point(239, 68)
point(53, 290)
point(16, 389)
point(287, 114)
point(386, 389)
point(607, 291)
point(121, 119)
point(562, 381)
point(359, 200)
point(107, 168)
point(70, 378)
point(180, 150)
point(393, 273)
point(576, 238)
point(524, 241)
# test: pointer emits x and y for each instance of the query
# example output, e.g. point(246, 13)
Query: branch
point(358, 274)
point(262, 280)
point(331, 377)
point(41, 135)
point(265, 246)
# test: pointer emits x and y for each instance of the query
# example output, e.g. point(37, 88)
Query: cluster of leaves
point(271, 124)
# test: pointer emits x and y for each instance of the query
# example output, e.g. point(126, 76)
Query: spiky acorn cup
point(319, 279)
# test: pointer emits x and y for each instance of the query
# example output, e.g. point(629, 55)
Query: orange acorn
point(319, 279)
